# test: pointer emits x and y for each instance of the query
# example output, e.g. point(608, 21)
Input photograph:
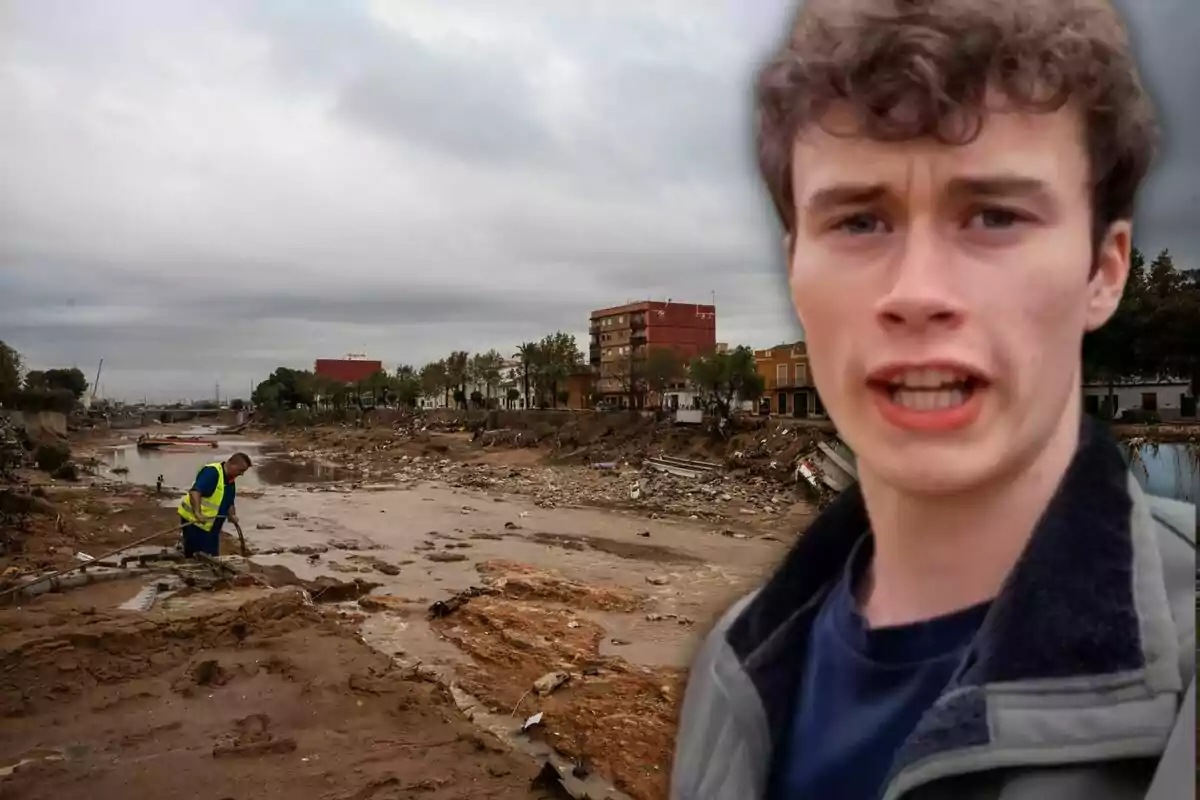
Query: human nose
point(922, 294)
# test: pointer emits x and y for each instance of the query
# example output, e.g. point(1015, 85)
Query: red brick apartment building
point(347, 370)
point(623, 335)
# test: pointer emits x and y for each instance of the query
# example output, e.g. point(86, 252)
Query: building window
point(1150, 401)
point(621, 320)
point(781, 378)
point(801, 374)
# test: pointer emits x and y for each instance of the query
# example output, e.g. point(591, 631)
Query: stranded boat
point(145, 442)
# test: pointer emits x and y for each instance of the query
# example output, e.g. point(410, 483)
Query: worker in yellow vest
point(209, 502)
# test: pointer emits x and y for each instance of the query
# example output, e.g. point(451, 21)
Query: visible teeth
point(927, 378)
point(926, 400)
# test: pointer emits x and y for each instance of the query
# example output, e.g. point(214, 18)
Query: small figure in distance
point(996, 611)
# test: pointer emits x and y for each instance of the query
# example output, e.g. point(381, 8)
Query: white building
point(1170, 399)
point(511, 379)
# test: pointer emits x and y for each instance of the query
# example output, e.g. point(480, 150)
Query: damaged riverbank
point(550, 586)
point(566, 603)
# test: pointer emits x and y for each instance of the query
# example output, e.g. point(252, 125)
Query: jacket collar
point(1067, 610)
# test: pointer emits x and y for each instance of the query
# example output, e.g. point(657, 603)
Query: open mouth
point(931, 392)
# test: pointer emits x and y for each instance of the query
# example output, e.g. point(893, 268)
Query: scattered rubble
point(689, 474)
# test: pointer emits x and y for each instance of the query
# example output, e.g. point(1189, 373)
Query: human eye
point(862, 223)
point(994, 218)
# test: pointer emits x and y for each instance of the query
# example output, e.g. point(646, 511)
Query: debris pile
point(592, 460)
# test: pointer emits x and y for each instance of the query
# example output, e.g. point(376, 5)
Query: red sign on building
point(347, 370)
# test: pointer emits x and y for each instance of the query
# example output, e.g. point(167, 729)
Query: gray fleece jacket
point(1079, 686)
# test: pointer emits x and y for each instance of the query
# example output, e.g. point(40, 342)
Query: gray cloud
point(200, 191)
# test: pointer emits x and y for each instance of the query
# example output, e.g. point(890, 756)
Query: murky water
point(1169, 470)
point(178, 466)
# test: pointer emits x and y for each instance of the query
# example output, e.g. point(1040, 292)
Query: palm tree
point(529, 355)
point(458, 369)
point(487, 370)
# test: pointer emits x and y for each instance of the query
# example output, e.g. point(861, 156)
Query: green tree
point(485, 369)
point(513, 395)
point(286, 388)
point(1153, 332)
point(559, 358)
point(1172, 321)
point(378, 386)
point(11, 369)
point(662, 367)
point(69, 380)
point(435, 380)
point(35, 381)
point(724, 379)
point(407, 386)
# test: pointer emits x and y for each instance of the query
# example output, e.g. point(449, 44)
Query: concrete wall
point(40, 426)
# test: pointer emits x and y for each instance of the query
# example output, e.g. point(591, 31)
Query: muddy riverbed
point(611, 600)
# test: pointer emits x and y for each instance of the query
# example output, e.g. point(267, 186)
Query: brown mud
point(257, 693)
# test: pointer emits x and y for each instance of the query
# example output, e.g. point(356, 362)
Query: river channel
point(178, 466)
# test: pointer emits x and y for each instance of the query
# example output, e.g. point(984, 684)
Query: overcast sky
point(200, 191)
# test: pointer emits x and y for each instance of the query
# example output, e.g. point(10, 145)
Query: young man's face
point(944, 292)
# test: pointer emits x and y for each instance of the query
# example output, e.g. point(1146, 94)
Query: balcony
point(638, 323)
point(788, 384)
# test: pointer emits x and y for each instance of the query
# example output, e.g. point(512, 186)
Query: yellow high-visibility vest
point(209, 506)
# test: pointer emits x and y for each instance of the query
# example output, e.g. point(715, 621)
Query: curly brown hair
point(911, 69)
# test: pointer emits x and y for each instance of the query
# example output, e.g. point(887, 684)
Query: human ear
point(1111, 271)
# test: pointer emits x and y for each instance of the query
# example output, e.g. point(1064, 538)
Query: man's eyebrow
point(849, 194)
point(844, 194)
point(998, 186)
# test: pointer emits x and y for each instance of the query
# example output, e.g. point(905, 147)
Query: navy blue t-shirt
point(863, 692)
point(206, 484)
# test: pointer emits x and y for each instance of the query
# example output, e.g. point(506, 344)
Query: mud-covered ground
point(573, 590)
point(253, 694)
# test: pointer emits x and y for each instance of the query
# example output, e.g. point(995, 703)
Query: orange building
point(788, 387)
point(579, 387)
